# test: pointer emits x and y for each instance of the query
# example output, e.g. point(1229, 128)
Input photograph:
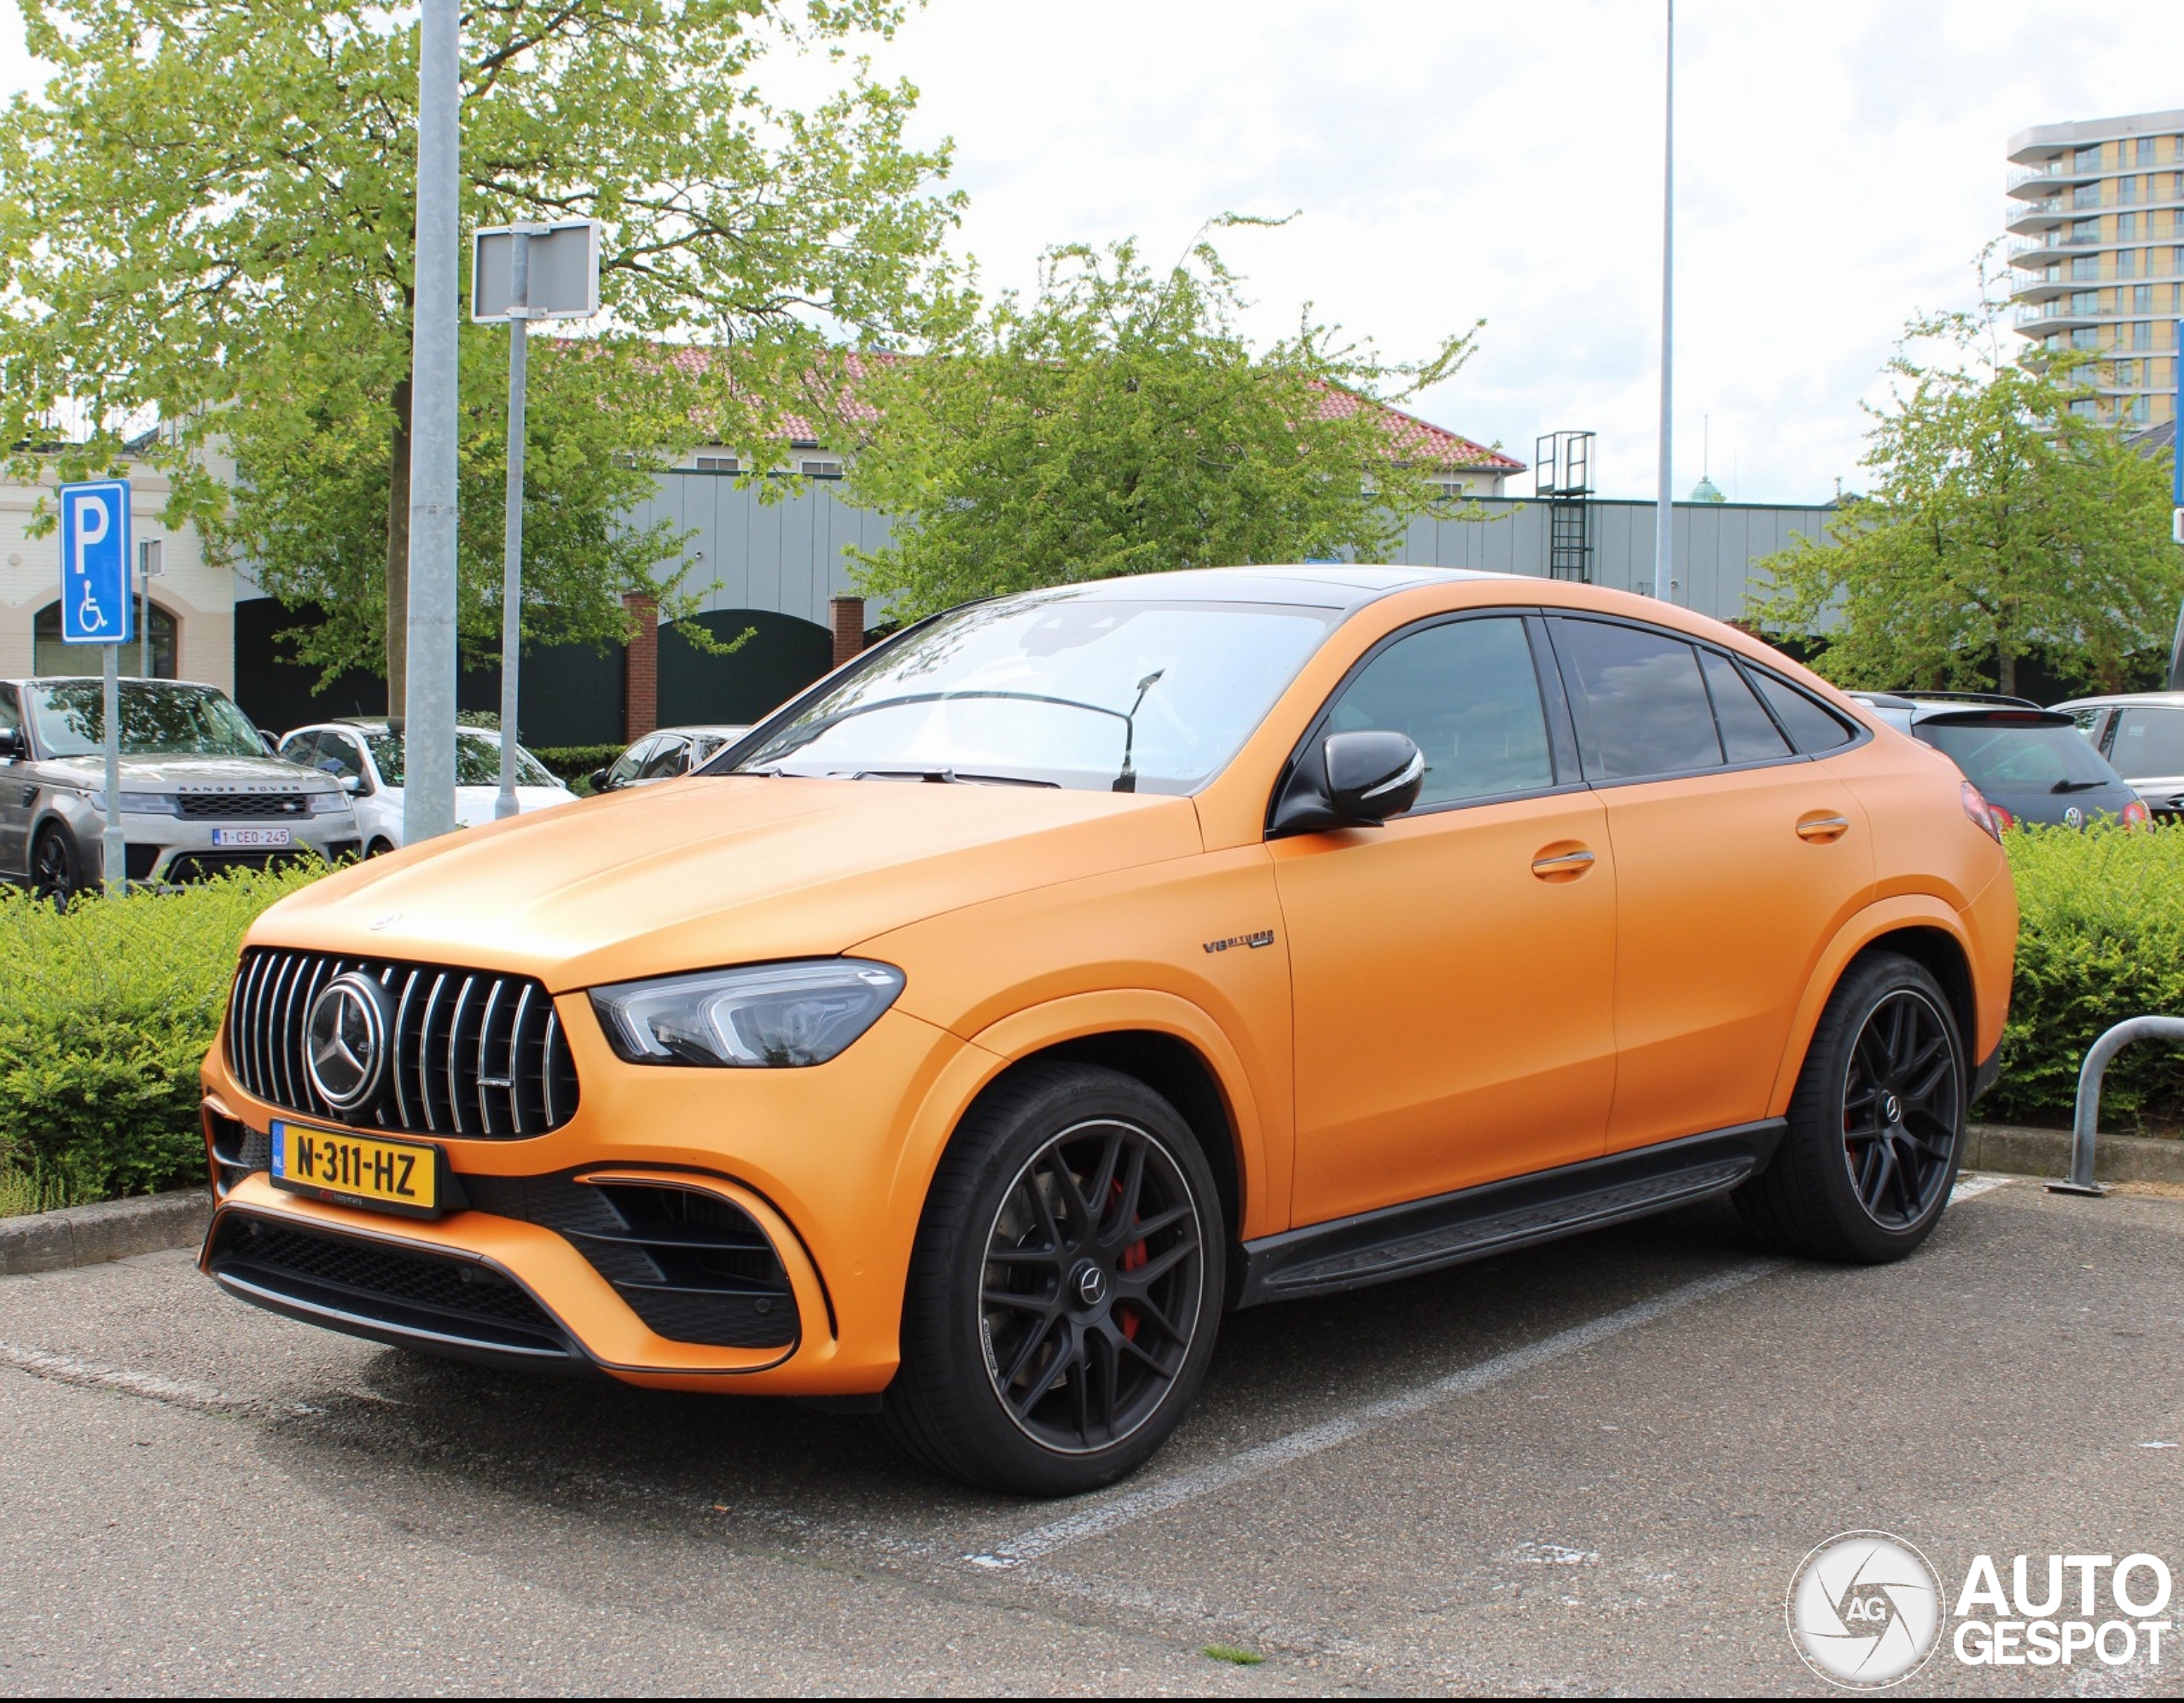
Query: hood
point(197, 774)
point(713, 870)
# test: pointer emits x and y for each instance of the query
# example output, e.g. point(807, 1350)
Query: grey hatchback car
point(199, 792)
point(2141, 733)
point(2031, 766)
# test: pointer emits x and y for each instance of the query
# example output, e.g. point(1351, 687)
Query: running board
point(1425, 1235)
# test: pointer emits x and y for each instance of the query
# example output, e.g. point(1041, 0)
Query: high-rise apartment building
point(2096, 211)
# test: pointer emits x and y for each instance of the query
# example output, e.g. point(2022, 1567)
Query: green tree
point(206, 222)
point(1120, 422)
point(2003, 518)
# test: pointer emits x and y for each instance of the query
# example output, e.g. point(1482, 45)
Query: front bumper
point(523, 1270)
point(170, 849)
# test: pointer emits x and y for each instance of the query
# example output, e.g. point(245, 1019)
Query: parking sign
point(95, 606)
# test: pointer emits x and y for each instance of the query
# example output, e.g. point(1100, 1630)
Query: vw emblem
point(344, 1041)
point(2074, 817)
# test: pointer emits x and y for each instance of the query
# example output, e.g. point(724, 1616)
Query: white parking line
point(1105, 1513)
point(64, 1368)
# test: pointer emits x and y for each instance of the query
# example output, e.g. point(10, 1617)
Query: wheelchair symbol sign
point(95, 606)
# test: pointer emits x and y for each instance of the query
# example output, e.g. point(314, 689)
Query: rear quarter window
point(1812, 725)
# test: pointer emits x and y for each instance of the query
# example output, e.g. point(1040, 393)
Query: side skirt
point(1425, 1235)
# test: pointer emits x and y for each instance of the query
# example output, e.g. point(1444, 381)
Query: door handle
point(1820, 829)
point(1551, 865)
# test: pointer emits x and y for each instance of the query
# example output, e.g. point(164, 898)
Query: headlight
point(799, 1013)
point(328, 804)
point(135, 803)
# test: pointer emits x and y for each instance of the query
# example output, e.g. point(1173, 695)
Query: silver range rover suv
point(199, 792)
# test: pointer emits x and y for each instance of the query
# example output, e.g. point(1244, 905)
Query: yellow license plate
point(358, 1171)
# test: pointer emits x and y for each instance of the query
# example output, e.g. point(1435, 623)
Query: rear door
point(1736, 858)
point(1453, 970)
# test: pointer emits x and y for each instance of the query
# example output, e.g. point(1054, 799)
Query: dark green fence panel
point(781, 657)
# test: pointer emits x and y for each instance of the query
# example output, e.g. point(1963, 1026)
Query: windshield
point(157, 720)
point(1054, 689)
point(477, 761)
point(1998, 758)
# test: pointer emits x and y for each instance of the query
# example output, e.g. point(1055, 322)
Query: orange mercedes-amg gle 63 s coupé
point(1071, 968)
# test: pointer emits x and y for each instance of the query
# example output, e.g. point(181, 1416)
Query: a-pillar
point(640, 667)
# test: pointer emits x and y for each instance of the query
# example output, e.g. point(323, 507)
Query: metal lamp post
point(1664, 580)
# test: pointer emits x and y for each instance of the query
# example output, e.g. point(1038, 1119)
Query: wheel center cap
point(1090, 1283)
point(1892, 1109)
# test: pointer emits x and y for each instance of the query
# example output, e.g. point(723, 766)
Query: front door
point(1737, 856)
point(1454, 969)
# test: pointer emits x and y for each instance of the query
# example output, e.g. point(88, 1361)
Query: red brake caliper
point(1133, 1257)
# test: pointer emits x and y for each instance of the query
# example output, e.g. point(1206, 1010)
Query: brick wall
point(641, 674)
point(848, 613)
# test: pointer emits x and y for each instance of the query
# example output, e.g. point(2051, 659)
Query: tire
point(379, 847)
point(1876, 1124)
point(57, 870)
point(1037, 1359)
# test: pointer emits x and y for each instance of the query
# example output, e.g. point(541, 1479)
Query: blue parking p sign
point(94, 601)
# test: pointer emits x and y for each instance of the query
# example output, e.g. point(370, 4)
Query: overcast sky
point(1838, 168)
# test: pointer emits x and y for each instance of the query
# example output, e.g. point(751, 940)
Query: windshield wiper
point(947, 776)
point(1127, 781)
point(2076, 786)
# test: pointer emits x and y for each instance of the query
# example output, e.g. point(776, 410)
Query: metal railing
point(2048, 207)
point(2087, 1118)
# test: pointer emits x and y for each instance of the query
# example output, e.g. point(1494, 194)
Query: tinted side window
point(1466, 694)
point(1640, 705)
point(1748, 732)
point(11, 712)
point(338, 755)
point(1813, 728)
point(627, 764)
point(2148, 743)
point(669, 759)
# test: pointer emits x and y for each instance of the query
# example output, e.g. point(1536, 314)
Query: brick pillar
point(641, 668)
point(848, 614)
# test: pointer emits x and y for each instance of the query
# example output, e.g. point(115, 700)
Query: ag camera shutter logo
point(1864, 1610)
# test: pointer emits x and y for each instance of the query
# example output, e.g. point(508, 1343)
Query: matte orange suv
point(1075, 966)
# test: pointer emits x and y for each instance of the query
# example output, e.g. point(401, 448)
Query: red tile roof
point(1409, 436)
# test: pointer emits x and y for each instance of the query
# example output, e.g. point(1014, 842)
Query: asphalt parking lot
point(1588, 1468)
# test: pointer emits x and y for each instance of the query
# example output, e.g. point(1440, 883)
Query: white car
point(367, 757)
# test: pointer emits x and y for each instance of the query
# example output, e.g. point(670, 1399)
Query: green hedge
point(2102, 940)
point(106, 1011)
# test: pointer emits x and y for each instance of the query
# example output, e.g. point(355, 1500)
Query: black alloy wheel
point(54, 874)
point(1876, 1123)
point(1095, 1266)
point(1899, 1109)
point(1066, 1287)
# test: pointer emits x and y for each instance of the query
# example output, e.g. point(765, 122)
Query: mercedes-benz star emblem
point(344, 1041)
point(1091, 1285)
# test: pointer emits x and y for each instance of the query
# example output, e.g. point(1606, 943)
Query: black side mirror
point(599, 779)
point(12, 747)
point(1351, 780)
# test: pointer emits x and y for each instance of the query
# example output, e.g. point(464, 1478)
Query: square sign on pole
point(563, 267)
point(95, 609)
point(519, 273)
point(96, 606)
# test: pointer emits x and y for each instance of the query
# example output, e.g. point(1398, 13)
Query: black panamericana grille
point(455, 1300)
point(228, 806)
point(476, 1053)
